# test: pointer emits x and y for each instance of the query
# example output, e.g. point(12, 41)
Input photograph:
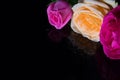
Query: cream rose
point(87, 18)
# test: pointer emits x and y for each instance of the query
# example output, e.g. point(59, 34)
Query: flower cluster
point(97, 20)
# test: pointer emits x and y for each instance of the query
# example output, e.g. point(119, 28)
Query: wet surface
point(69, 56)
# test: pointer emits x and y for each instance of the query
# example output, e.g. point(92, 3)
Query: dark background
point(34, 49)
point(57, 57)
point(45, 56)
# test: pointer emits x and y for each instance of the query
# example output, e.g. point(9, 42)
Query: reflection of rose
point(108, 69)
point(58, 35)
point(110, 34)
point(81, 43)
point(59, 13)
point(87, 18)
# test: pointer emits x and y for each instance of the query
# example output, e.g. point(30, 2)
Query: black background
point(43, 57)
point(58, 60)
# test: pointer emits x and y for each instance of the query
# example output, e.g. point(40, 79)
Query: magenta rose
point(110, 34)
point(59, 13)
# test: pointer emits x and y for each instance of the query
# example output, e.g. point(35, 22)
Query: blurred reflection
point(108, 69)
point(58, 35)
point(82, 43)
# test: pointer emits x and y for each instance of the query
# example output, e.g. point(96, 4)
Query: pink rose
point(110, 34)
point(59, 13)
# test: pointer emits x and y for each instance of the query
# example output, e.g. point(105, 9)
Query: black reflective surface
point(67, 55)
